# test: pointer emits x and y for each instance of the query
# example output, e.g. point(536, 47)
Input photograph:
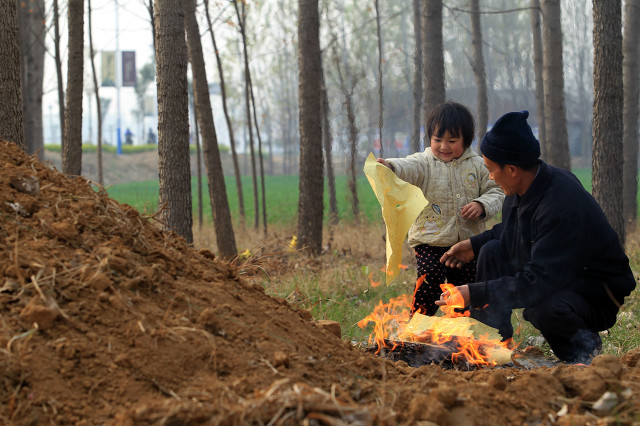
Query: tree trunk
point(217, 190)
point(92, 54)
point(225, 109)
point(585, 81)
point(327, 141)
point(196, 141)
point(433, 56)
point(554, 111)
point(269, 135)
point(508, 52)
point(72, 150)
point(11, 124)
point(173, 119)
point(196, 129)
point(380, 86)
point(310, 203)
point(607, 110)
point(247, 87)
point(32, 32)
point(353, 138)
point(58, 61)
point(149, 5)
point(537, 69)
point(479, 72)
point(260, 157)
point(417, 77)
point(289, 129)
point(630, 71)
point(353, 157)
point(287, 86)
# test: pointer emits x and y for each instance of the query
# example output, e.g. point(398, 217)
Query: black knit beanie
point(510, 141)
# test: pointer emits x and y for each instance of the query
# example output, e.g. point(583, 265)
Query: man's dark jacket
point(556, 237)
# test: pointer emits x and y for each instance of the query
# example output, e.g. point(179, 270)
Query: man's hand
point(456, 297)
point(458, 254)
point(473, 210)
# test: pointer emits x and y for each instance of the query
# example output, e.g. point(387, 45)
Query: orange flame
point(418, 284)
point(392, 322)
point(387, 320)
point(457, 302)
point(372, 282)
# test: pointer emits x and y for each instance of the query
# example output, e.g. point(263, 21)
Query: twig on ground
point(27, 333)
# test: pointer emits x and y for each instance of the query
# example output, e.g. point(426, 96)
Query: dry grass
point(342, 283)
point(364, 241)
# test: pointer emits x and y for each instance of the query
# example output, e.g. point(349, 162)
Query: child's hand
point(384, 163)
point(473, 210)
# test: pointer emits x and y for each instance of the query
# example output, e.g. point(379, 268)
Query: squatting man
point(554, 253)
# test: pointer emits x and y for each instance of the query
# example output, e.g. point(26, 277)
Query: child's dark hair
point(452, 117)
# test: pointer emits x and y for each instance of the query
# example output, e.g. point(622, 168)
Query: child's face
point(447, 147)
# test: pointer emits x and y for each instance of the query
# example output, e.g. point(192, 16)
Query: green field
point(281, 194)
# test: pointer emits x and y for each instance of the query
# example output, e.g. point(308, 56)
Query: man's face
point(504, 176)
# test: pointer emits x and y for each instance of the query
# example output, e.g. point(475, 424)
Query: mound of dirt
point(106, 319)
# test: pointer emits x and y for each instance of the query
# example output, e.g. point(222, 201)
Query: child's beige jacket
point(448, 187)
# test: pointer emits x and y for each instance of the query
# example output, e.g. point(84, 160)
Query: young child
point(461, 199)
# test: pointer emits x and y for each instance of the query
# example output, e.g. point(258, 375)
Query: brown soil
point(108, 320)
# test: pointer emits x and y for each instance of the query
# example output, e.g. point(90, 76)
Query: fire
point(372, 282)
point(388, 320)
point(458, 302)
point(393, 322)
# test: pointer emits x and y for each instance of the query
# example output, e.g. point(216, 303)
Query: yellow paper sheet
point(459, 326)
point(401, 204)
point(464, 327)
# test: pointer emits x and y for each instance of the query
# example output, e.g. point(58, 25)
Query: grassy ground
point(338, 285)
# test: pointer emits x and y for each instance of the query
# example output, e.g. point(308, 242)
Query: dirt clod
point(37, 314)
point(497, 381)
point(332, 327)
point(610, 363)
point(280, 359)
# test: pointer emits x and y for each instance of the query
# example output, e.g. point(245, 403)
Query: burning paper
point(477, 342)
point(401, 204)
point(458, 338)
